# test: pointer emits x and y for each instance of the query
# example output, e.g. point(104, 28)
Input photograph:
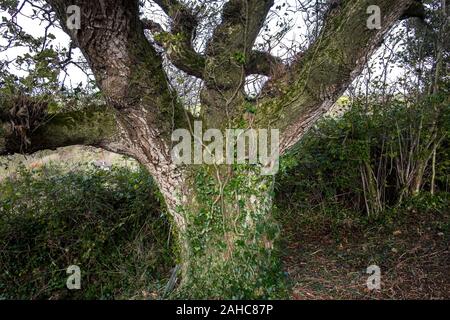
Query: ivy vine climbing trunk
point(227, 244)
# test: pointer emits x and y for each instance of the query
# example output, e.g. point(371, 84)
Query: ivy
point(231, 236)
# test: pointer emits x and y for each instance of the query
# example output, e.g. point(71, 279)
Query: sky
point(37, 28)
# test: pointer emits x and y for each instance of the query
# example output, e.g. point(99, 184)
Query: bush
point(109, 223)
point(370, 160)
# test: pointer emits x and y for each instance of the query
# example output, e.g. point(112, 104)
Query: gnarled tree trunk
point(222, 214)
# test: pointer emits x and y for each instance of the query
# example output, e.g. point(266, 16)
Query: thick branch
point(178, 49)
point(185, 58)
point(262, 63)
point(127, 68)
point(324, 72)
point(178, 42)
point(93, 126)
point(241, 23)
point(227, 53)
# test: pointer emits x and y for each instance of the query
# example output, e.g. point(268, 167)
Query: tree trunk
point(222, 214)
point(226, 245)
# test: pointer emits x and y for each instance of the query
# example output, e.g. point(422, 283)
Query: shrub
point(109, 223)
point(370, 159)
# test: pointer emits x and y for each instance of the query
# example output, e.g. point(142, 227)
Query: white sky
point(37, 28)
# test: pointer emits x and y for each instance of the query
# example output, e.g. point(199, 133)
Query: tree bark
point(295, 101)
point(94, 126)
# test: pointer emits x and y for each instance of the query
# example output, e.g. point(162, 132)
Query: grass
point(328, 260)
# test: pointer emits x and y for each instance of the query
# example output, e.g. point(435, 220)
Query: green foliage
point(231, 237)
point(368, 161)
point(108, 223)
point(427, 48)
point(166, 37)
point(240, 58)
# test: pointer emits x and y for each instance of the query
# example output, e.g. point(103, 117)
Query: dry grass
point(414, 261)
point(69, 158)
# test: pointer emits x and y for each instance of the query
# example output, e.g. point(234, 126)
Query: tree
point(221, 213)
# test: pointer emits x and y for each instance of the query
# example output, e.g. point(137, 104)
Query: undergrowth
point(109, 223)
